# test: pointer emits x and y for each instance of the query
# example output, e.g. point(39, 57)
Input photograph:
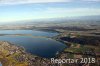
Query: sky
point(17, 10)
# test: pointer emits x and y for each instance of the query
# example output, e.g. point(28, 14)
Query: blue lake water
point(44, 47)
point(32, 32)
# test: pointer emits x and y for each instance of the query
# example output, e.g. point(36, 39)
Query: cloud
point(47, 13)
point(30, 1)
point(91, 0)
point(74, 11)
point(11, 2)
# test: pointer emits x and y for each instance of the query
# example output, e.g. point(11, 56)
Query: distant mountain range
point(82, 19)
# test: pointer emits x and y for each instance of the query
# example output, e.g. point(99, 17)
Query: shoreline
point(69, 52)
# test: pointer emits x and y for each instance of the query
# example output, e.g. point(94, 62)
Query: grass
point(74, 49)
point(70, 55)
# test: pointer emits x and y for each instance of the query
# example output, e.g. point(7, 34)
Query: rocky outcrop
point(11, 55)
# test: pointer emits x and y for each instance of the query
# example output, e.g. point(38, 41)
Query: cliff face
point(11, 55)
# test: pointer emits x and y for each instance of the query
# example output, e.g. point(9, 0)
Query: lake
point(41, 46)
point(32, 32)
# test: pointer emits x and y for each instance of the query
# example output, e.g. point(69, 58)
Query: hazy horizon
point(12, 11)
